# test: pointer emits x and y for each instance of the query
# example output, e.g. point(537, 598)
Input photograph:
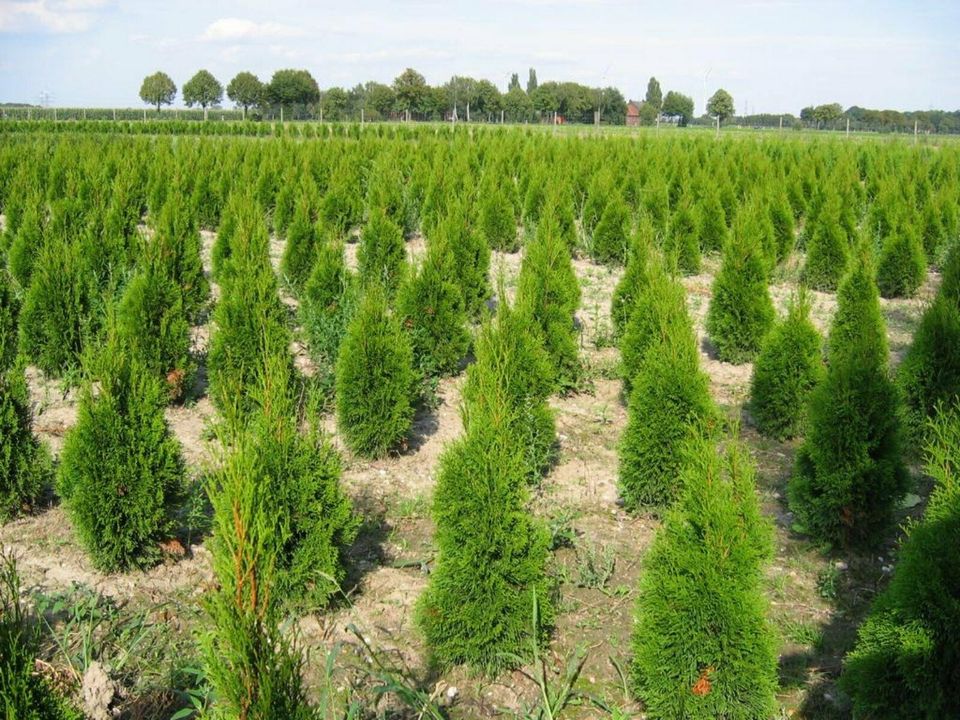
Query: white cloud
point(51, 16)
point(234, 29)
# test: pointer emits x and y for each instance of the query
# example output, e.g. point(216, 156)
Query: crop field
point(417, 422)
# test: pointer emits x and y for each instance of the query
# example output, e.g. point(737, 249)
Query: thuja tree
point(907, 658)
point(682, 243)
point(22, 253)
point(471, 256)
point(930, 372)
point(300, 250)
point(788, 368)
point(713, 222)
point(608, 243)
point(702, 645)
point(902, 267)
point(374, 380)
point(828, 251)
point(25, 467)
point(662, 307)
point(327, 302)
point(177, 240)
point(549, 294)
point(252, 666)
point(497, 221)
point(382, 254)
point(121, 472)
point(670, 404)
point(249, 320)
point(490, 574)
point(741, 311)
point(313, 519)
point(507, 352)
point(57, 319)
point(640, 257)
point(9, 312)
point(152, 323)
point(431, 310)
point(849, 474)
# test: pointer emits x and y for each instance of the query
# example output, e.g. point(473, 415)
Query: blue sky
point(772, 55)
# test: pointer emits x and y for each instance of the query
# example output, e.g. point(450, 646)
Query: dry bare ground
point(816, 600)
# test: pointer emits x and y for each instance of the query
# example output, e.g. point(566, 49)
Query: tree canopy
point(678, 105)
point(158, 89)
point(721, 105)
point(292, 87)
point(245, 90)
point(202, 89)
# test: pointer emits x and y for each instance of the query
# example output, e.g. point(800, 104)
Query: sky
point(772, 55)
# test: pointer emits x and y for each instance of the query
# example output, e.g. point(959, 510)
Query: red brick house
point(633, 113)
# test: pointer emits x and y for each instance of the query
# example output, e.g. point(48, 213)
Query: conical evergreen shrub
point(253, 668)
point(741, 311)
point(490, 574)
point(932, 232)
point(713, 223)
point(375, 380)
point(26, 245)
point(609, 240)
point(950, 274)
point(849, 473)
point(930, 372)
point(314, 521)
point(828, 252)
point(670, 404)
point(781, 217)
point(249, 320)
point(471, 254)
point(300, 250)
point(858, 313)
point(382, 254)
point(903, 266)
point(430, 308)
point(906, 662)
point(549, 294)
point(661, 307)
point(9, 313)
point(682, 243)
point(177, 241)
point(56, 319)
point(328, 302)
point(497, 221)
point(121, 473)
point(505, 350)
point(151, 322)
point(635, 278)
point(787, 370)
point(702, 646)
point(25, 468)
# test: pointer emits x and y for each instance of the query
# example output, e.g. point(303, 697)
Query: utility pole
point(848, 127)
point(781, 124)
point(915, 126)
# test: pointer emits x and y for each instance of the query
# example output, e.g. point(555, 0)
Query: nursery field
point(407, 422)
